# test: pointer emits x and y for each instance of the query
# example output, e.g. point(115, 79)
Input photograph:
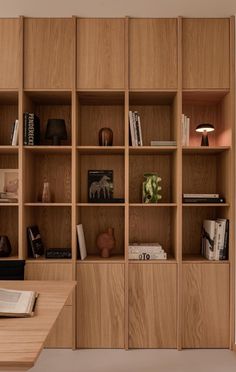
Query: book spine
point(12, 132)
point(131, 128)
point(140, 131)
point(145, 250)
point(15, 134)
point(187, 130)
point(136, 128)
point(31, 130)
point(226, 242)
point(26, 117)
point(201, 195)
point(182, 129)
point(37, 130)
point(217, 241)
point(222, 237)
point(203, 200)
point(135, 131)
point(147, 256)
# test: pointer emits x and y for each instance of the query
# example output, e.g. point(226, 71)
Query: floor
point(136, 361)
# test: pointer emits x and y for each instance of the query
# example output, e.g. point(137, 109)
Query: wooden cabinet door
point(61, 335)
point(9, 53)
point(152, 305)
point(100, 53)
point(48, 53)
point(153, 45)
point(205, 306)
point(206, 53)
point(100, 306)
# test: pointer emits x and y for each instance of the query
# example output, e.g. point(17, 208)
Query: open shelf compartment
point(9, 227)
point(8, 115)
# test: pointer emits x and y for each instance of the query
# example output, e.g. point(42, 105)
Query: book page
point(16, 302)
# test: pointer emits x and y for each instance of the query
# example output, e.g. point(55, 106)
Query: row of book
point(215, 239)
point(31, 129)
point(146, 251)
point(203, 198)
point(135, 129)
point(185, 130)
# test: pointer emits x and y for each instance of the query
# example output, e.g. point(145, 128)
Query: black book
point(25, 134)
point(35, 244)
point(226, 242)
point(31, 129)
point(203, 200)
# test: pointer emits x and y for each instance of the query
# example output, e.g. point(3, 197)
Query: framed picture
point(100, 186)
point(9, 185)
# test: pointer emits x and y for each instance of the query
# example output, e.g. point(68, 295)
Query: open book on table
point(15, 303)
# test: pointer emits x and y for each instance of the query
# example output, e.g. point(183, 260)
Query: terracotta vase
point(105, 137)
point(106, 242)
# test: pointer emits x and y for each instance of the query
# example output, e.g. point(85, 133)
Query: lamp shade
point(56, 131)
point(205, 127)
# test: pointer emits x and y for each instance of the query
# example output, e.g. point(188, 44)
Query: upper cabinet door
point(48, 53)
point(206, 52)
point(9, 53)
point(153, 53)
point(100, 53)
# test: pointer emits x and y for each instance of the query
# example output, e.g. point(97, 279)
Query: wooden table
point(22, 339)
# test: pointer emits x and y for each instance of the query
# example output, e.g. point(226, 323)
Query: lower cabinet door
point(152, 305)
point(100, 305)
point(61, 334)
point(205, 305)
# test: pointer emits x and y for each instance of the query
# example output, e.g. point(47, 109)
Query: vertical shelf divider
point(74, 178)
point(179, 189)
point(126, 118)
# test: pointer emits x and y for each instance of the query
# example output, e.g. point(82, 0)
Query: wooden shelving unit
point(91, 72)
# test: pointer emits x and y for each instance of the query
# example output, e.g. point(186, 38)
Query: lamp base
point(56, 141)
point(205, 141)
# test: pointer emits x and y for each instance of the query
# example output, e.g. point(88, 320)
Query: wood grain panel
point(52, 168)
point(160, 164)
point(9, 53)
point(49, 271)
point(48, 53)
point(153, 53)
point(205, 306)
point(54, 225)
point(93, 118)
point(102, 162)
point(8, 161)
point(9, 226)
point(8, 115)
point(100, 310)
point(97, 220)
point(61, 334)
point(146, 226)
point(100, 53)
point(205, 53)
point(152, 306)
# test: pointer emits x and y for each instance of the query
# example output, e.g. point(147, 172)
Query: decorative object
point(58, 253)
point(56, 131)
point(9, 183)
point(151, 188)
point(105, 137)
point(35, 244)
point(100, 186)
point(204, 129)
point(106, 242)
point(46, 195)
point(5, 246)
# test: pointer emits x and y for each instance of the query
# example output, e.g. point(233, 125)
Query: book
point(31, 129)
point(35, 244)
point(224, 254)
point(185, 130)
point(140, 130)
point(25, 131)
point(163, 143)
point(15, 135)
point(148, 256)
point(15, 303)
point(201, 195)
point(12, 132)
point(81, 241)
point(203, 200)
point(208, 236)
point(131, 125)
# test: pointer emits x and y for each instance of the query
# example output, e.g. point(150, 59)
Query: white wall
point(117, 8)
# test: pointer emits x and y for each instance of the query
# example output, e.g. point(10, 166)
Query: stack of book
point(185, 130)
point(163, 143)
point(15, 133)
point(202, 198)
point(8, 197)
point(146, 251)
point(215, 239)
point(31, 129)
point(135, 129)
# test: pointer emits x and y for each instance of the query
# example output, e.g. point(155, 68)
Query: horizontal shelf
point(155, 205)
point(100, 204)
point(50, 260)
point(102, 150)
point(47, 204)
point(98, 259)
point(10, 258)
point(205, 204)
point(204, 149)
point(9, 204)
point(171, 260)
point(49, 149)
point(147, 150)
point(8, 149)
point(201, 259)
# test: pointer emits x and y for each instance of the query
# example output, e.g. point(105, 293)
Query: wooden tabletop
point(22, 339)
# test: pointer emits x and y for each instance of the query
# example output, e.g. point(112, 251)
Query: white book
point(208, 238)
point(140, 131)
point(15, 303)
point(222, 228)
point(81, 241)
point(131, 128)
point(15, 133)
point(148, 256)
point(182, 130)
point(187, 130)
point(137, 249)
point(135, 130)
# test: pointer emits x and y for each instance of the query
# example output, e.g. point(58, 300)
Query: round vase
point(105, 137)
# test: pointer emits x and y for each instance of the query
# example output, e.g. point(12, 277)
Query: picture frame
point(100, 186)
point(9, 185)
